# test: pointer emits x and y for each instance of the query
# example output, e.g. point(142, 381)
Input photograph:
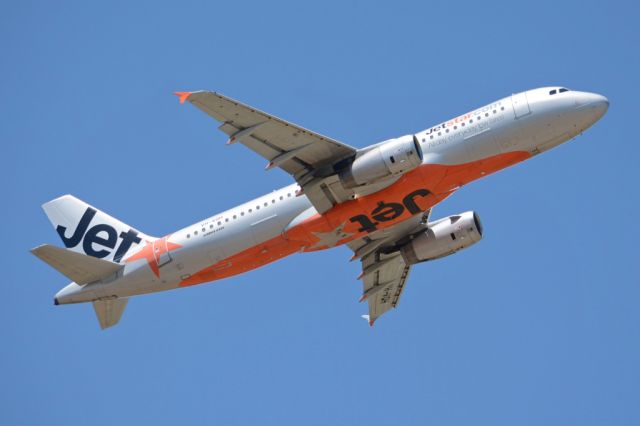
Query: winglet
point(370, 321)
point(183, 96)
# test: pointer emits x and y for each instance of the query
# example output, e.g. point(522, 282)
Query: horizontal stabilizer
point(109, 312)
point(80, 268)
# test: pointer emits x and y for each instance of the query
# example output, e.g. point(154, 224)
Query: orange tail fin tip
point(183, 96)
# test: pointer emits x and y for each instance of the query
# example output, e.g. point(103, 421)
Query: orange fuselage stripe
point(431, 182)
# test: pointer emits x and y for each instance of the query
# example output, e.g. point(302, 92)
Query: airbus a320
point(376, 200)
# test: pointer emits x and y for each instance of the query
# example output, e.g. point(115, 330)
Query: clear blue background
point(536, 325)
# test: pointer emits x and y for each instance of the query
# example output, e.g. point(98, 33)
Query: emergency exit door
point(520, 104)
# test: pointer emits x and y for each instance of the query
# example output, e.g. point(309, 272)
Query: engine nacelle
point(390, 158)
point(444, 237)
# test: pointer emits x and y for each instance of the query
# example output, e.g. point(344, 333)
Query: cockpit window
point(562, 90)
point(553, 92)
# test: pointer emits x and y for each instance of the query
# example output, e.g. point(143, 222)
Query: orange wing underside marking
point(440, 181)
point(152, 252)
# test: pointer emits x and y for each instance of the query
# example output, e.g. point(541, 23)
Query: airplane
point(376, 200)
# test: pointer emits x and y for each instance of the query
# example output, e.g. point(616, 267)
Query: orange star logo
point(153, 252)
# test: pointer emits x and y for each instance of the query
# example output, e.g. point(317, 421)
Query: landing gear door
point(520, 104)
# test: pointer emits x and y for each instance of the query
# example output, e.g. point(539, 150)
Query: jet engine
point(443, 237)
point(389, 158)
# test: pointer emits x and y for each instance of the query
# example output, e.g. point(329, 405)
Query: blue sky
point(537, 324)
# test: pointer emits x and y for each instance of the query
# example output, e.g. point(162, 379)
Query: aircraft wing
point(383, 281)
point(384, 271)
point(306, 155)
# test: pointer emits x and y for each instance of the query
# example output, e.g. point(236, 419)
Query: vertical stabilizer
point(85, 229)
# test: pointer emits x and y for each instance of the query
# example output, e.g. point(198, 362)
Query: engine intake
point(444, 237)
point(389, 158)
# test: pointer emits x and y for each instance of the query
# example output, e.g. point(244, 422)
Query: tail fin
point(84, 229)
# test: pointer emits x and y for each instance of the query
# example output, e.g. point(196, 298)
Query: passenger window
point(250, 210)
point(226, 219)
point(211, 226)
point(281, 198)
point(266, 204)
point(471, 121)
point(289, 194)
point(219, 223)
point(234, 216)
point(486, 114)
point(195, 232)
point(241, 213)
point(257, 207)
point(188, 235)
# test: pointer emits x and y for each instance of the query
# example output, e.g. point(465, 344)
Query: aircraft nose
point(600, 104)
point(592, 99)
point(597, 105)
